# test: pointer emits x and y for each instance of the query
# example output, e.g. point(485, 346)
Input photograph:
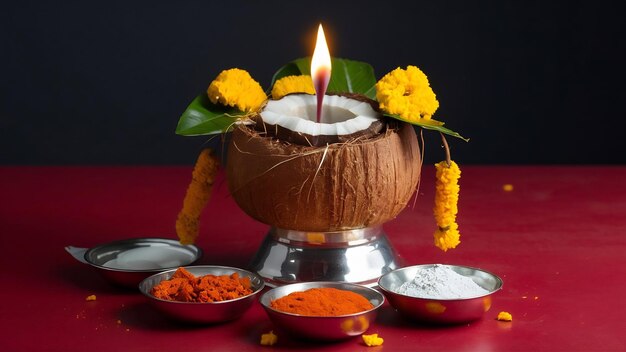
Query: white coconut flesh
point(341, 116)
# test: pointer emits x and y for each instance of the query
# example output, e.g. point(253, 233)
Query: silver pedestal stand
point(358, 256)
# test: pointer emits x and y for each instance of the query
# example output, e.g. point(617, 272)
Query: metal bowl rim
point(253, 293)
point(330, 283)
point(199, 254)
point(499, 283)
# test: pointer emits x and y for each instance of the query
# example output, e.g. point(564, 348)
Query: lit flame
point(320, 69)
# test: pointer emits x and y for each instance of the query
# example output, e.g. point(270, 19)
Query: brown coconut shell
point(342, 186)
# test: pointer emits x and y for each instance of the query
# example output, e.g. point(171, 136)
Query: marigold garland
point(197, 196)
point(446, 200)
point(407, 93)
point(292, 84)
point(236, 88)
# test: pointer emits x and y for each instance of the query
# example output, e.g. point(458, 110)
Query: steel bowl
point(201, 312)
point(322, 327)
point(127, 262)
point(443, 311)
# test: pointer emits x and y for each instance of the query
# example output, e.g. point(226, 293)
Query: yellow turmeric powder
point(197, 196)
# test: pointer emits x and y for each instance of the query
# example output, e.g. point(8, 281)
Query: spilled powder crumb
point(504, 316)
point(507, 187)
point(269, 339)
point(90, 298)
point(372, 340)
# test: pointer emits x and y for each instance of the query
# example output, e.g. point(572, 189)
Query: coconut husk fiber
point(336, 187)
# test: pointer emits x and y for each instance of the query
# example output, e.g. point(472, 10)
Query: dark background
point(87, 82)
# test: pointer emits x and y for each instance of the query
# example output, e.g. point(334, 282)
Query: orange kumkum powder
point(323, 301)
point(185, 287)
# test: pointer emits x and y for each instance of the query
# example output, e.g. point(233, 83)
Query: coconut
point(364, 181)
point(293, 119)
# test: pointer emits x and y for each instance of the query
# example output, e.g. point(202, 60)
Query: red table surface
point(558, 240)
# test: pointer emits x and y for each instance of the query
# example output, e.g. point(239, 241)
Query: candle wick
point(320, 91)
point(320, 101)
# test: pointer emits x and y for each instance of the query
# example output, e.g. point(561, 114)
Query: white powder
point(440, 282)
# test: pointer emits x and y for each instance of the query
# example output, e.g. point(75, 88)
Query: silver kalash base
point(358, 256)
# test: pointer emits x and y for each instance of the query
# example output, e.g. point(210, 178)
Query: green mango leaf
point(434, 125)
point(347, 76)
point(203, 117)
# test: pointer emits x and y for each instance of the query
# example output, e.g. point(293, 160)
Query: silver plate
point(130, 273)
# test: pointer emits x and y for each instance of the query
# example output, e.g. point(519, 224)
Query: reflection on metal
point(487, 303)
point(434, 307)
point(357, 256)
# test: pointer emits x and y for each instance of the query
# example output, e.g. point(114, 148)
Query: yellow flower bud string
point(446, 201)
point(196, 197)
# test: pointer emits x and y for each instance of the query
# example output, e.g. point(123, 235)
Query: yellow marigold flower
point(292, 84)
point(236, 88)
point(505, 316)
point(407, 93)
point(269, 339)
point(445, 209)
point(372, 340)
